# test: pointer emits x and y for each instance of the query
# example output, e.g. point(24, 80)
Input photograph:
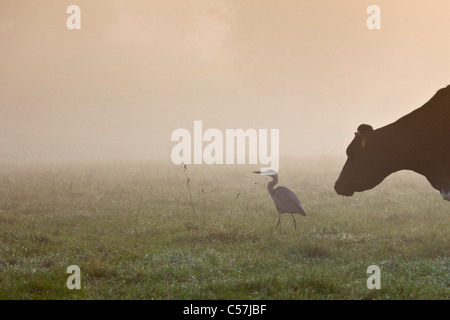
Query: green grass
point(131, 228)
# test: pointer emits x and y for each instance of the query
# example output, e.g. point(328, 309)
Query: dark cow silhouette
point(419, 141)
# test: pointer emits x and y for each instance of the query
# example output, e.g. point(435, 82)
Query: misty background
point(137, 70)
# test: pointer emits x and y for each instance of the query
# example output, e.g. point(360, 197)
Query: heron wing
point(287, 201)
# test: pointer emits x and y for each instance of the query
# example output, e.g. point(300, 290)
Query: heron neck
point(271, 184)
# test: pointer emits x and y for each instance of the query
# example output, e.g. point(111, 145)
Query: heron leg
point(279, 216)
point(295, 223)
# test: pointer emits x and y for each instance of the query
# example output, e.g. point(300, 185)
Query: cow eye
point(352, 149)
point(349, 151)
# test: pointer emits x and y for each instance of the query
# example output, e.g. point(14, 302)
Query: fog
point(137, 70)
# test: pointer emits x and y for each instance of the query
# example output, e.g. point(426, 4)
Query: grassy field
point(134, 232)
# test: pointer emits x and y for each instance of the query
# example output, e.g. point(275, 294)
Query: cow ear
point(364, 129)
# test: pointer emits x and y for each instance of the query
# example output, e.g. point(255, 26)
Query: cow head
point(360, 172)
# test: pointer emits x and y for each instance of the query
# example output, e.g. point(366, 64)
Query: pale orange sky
point(139, 69)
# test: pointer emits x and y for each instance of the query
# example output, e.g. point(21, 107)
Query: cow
point(419, 141)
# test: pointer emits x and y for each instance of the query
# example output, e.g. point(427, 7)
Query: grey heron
point(286, 201)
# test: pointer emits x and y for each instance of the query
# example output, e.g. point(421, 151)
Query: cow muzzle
point(341, 190)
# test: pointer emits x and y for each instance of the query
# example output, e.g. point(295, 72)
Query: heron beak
point(258, 172)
